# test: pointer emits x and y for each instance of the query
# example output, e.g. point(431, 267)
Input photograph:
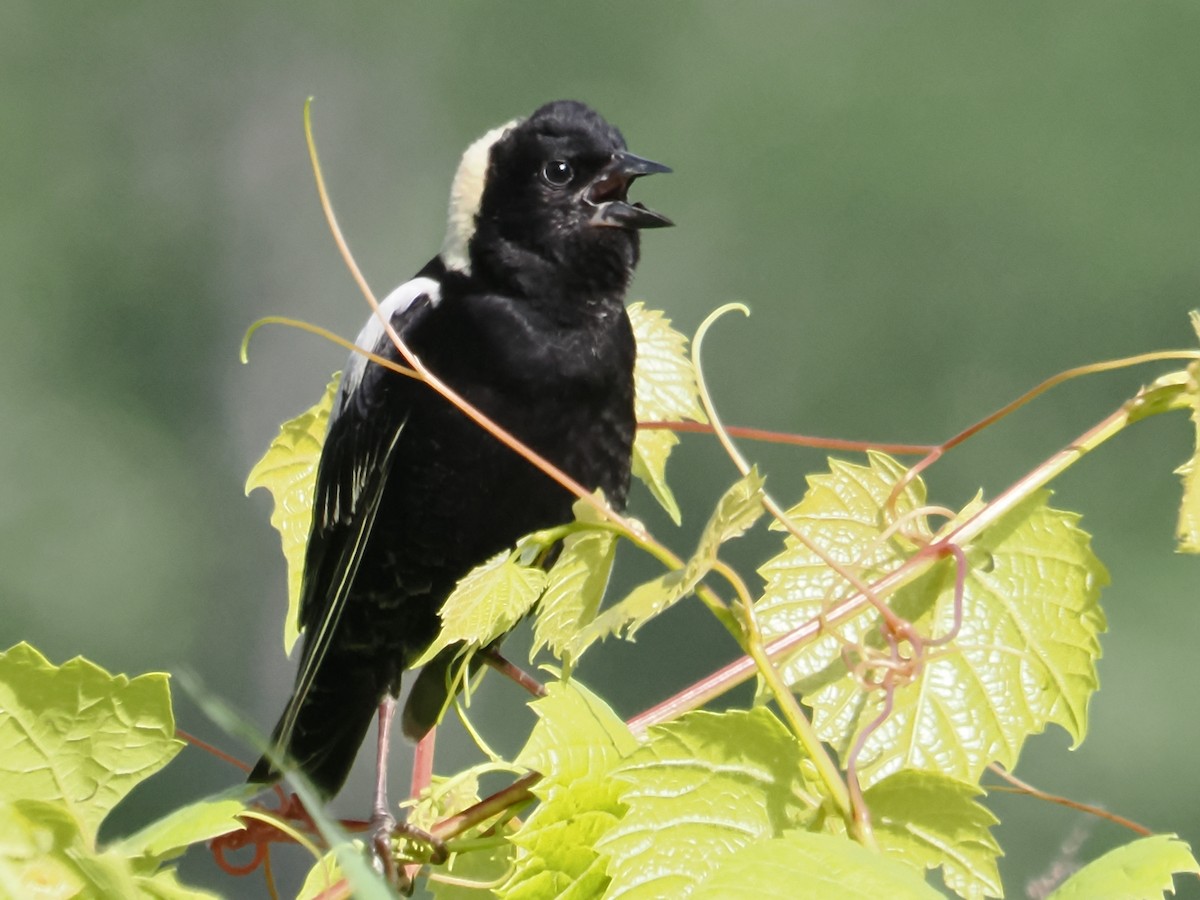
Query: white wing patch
point(374, 338)
point(465, 195)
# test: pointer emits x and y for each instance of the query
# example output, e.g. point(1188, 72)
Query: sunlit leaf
point(807, 866)
point(487, 603)
point(1140, 870)
point(665, 391)
point(930, 821)
point(574, 589)
point(651, 449)
point(1025, 655)
point(575, 745)
point(736, 511)
point(663, 376)
point(76, 735)
point(697, 791)
point(191, 824)
point(289, 471)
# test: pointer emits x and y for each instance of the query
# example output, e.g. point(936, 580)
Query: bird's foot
point(419, 845)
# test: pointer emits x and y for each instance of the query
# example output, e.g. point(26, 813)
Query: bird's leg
point(491, 655)
point(383, 823)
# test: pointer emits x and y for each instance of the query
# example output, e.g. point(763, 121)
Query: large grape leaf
point(700, 789)
point(929, 821)
point(1025, 655)
point(1140, 870)
point(575, 745)
point(665, 391)
point(288, 470)
point(78, 736)
point(807, 866)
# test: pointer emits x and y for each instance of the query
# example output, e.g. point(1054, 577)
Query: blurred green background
point(929, 208)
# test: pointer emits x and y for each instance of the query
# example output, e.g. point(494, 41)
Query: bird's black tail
point(320, 732)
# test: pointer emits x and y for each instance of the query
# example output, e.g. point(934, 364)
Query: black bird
point(522, 312)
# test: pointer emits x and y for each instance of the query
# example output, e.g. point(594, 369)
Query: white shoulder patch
point(465, 195)
point(373, 337)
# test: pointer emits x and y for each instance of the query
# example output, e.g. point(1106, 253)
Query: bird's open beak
point(606, 194)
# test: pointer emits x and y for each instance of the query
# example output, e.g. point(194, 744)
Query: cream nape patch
point(466, 193)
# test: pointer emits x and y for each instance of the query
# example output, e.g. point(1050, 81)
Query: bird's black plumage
point(523, 314)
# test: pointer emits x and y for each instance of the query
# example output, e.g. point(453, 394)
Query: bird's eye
point(557, 173)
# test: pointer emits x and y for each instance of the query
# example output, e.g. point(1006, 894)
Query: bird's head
point(543, 201)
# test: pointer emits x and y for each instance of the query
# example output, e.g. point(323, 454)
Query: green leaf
point(651, 449)
point(700, 789)
point(575, 745)
point(178, 830)
point(1140, 870)
point(807, 866)
point(664, 378)
point(665, 391)
point(929, 821)
point(1025, 655)
point(626, 616)
point(574, 589)
point(487, 603)
point(289, 471)
point(576, 736)
point(76, 735)
point(737, 510)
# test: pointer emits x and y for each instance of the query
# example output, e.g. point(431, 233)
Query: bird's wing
point(366, 425)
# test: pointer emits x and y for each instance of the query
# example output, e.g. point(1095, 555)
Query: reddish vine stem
point(1024, 787)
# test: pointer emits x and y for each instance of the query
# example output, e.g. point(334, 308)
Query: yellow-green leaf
point(1025, 655)
point(701, 788)
point(77, 736)
point(288, 470)
point(665, 391)
point(487, 603)
point(1140, 870)
point(929, 821)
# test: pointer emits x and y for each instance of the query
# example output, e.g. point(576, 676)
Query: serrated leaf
point(929, 821)
point(577, 735)
point(1025, 655)
point(738, 509)
point(664, 379)
point(574, 589)
point(487, 603)
point(701, 788)
point(651, 449)
point(288, 470)
point(664, 391)
point(627, 615)
point(178, 830)
point(575, 744)
point(1140, 870)
point(76, 735)
point(809, 866)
